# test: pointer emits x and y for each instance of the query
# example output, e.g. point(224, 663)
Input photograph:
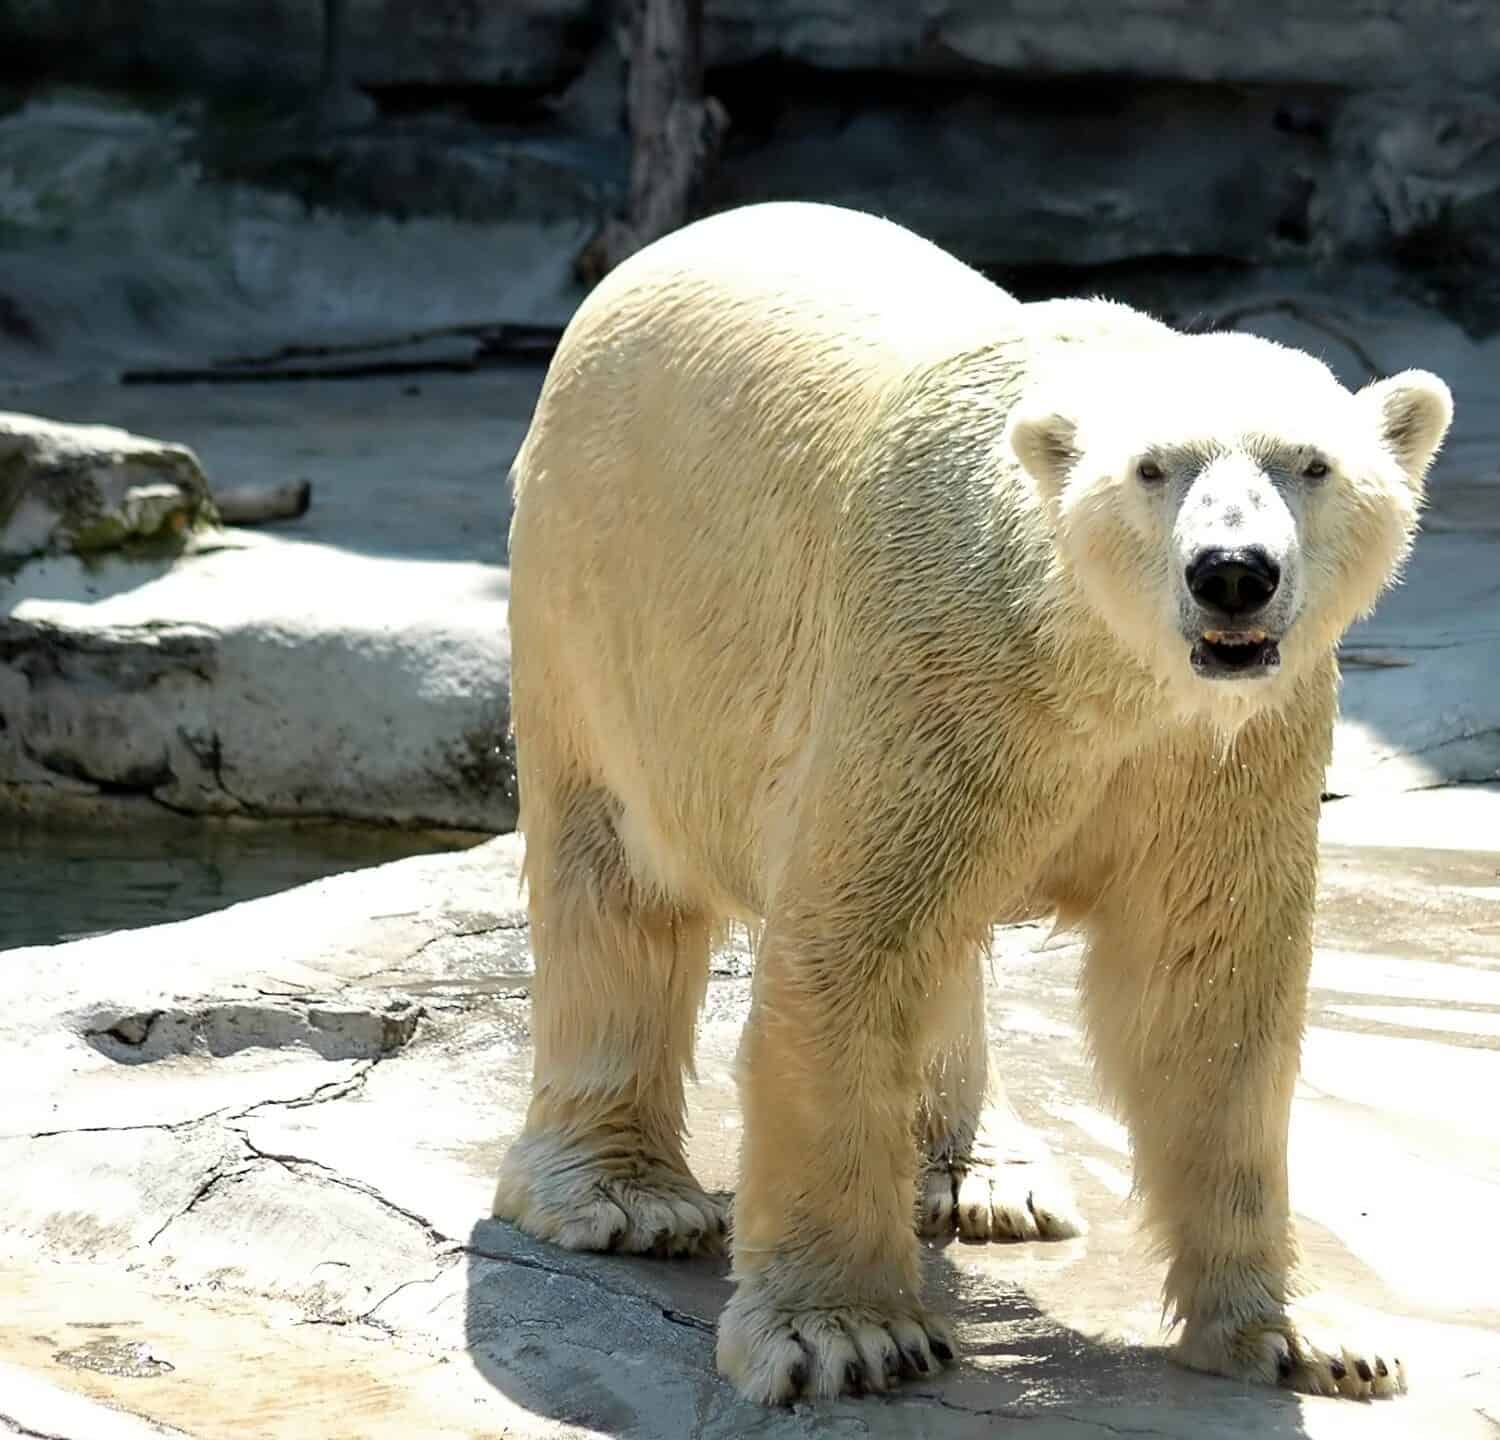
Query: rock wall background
point(1077, 133)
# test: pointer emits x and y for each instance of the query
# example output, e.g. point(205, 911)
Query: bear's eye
point(1315, 470)
point(1150, 471)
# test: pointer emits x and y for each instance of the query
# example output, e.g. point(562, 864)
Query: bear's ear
point(1046, 444)
point(1412, 411)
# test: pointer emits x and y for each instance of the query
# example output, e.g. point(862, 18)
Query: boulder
point(142, 236)
point(86, 489)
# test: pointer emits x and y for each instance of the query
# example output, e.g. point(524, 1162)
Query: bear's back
point(782, 323)
point(834, 273)
point(681, 490)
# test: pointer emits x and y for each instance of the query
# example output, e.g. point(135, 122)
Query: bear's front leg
point(828, 1299)
point(915, 817)
point(1194, 991)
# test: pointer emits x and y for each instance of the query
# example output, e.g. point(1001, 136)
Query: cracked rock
point(295, 1233)
point(307, 1240)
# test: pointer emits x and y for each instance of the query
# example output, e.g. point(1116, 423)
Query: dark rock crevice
point(219, 1175)
point(328, 1175)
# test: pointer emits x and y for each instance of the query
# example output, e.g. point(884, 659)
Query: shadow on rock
point(625, 1346)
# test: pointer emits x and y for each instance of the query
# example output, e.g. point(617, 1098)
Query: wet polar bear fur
point(854, 601)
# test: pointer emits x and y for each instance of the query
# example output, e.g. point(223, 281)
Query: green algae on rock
point(90, 489)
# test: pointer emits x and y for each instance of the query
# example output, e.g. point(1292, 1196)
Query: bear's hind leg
point(621, 973)
point(984, 1172)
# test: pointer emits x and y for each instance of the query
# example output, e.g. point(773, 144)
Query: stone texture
point(1088, 170)
point(1347, 43)
point(524, 44)
point(306, 682)
point(141, 236)
point(147, 235)
point(88, 489)
point(245, 1164)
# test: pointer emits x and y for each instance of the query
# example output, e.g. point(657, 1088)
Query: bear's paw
point(556, 1192)
point(1005, 1187)
point(777, 1353)
point(1282, 1350)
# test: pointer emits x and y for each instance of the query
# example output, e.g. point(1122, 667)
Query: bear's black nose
point(1233, 582)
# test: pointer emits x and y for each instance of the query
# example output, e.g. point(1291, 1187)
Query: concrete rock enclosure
point(244, 1183)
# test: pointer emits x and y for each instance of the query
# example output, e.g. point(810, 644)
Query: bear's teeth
point(1249, 637)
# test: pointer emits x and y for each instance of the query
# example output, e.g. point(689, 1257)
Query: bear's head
point(1226, 506)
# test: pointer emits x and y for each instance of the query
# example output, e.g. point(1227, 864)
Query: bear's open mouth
point(1228, 653)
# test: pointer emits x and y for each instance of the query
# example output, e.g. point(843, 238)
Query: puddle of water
point(63, 882)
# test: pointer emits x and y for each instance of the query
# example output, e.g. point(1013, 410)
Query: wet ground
point(245, 1182)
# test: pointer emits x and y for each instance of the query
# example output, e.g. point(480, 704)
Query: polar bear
point(856, 602)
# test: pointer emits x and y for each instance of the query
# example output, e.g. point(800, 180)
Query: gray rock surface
point(137, 235)
point(155, 233)
point(245, 1164)
point(1102, 132)
point(1136, 167)
point(1073, 176)
point(538, 44)
point(300, 681)
point(183, 227)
